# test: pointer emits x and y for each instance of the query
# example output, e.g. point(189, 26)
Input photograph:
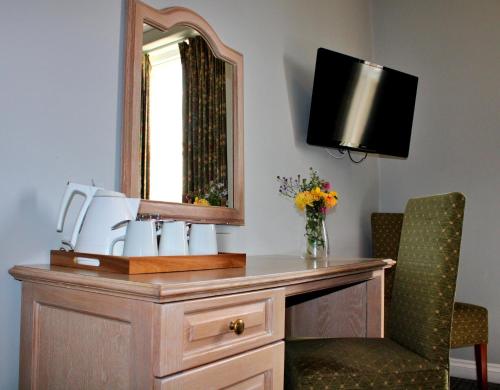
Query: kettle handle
point(88, 193)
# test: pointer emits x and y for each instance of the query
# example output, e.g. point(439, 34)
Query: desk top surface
point(260, 272)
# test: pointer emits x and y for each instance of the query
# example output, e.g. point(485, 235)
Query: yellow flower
point(317, 194)
point(330, 199)
point(201, 202)
point(304, 199)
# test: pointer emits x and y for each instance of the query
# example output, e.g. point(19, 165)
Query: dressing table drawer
point(258, 369)
point(192, 333)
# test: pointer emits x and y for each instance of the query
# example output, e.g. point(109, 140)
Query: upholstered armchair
point(416, 353)
point(469, 325)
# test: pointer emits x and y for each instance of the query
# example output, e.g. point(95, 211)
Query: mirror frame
point(139, 13)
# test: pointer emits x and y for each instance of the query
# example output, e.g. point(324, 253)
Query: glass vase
point(315, 236)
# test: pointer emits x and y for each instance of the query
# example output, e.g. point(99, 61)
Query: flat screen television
point(357, 105)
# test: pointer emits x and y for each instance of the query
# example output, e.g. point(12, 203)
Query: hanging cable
point(342, 153)
point(356, 161)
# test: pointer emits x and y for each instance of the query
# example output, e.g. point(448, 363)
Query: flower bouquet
point(315, 197)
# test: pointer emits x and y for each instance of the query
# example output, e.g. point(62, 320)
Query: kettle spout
point(120, 224)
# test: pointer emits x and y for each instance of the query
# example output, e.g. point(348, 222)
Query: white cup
point(202, 239)
point(173, 241)
point(140, 239)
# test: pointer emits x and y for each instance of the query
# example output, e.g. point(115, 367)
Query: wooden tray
point(145, 265)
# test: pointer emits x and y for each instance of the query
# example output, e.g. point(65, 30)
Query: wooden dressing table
point(188, 330)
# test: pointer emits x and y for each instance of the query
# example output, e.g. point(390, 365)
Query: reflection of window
point(186, 121)
point(166, 124)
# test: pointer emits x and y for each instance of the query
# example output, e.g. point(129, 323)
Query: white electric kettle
point(101, 211)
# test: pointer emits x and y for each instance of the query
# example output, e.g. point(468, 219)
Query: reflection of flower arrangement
point(200, 201)
point(314, 196)
point(216, 195)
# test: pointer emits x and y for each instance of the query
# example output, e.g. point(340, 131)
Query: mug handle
point(113, 243)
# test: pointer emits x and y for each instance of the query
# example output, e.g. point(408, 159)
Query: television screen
point(357, 105)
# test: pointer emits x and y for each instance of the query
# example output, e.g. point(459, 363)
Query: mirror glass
point(186, 121)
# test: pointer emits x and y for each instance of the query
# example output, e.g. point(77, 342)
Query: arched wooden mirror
point(182, 150)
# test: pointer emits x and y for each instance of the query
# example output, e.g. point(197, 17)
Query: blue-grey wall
point(454, 47)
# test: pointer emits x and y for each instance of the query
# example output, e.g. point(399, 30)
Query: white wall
point(60, 76)
point(60, 109)
point(453, 46)
point(279, 40)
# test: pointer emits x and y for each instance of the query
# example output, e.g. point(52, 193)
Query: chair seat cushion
point(358, 363)
point(469, 325)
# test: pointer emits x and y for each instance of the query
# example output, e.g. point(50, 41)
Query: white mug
point(173, 241)
point(202, 239)
point(140, 239)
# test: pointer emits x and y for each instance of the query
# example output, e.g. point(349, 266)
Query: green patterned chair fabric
point(358, 363)
point(469, 323)
point(386, 232)
point(416, 355)
point(425, 280)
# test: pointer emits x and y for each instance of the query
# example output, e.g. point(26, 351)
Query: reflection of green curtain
point(145, 130)
point(204, 117)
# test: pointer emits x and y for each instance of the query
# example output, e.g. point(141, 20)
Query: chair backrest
point(386, 232)
point(426, 275)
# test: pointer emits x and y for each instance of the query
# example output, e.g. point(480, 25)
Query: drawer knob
point(237, 326)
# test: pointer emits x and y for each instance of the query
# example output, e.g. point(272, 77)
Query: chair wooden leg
point(481, 354)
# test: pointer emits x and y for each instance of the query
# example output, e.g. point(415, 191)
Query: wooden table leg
point(375, 305)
